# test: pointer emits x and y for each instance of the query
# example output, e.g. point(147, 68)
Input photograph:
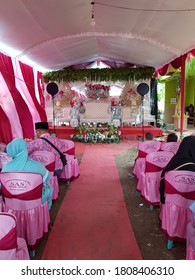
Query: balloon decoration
point(143, 89)
point(52, 89)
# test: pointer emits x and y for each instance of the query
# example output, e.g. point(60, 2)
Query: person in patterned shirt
point(42, 130)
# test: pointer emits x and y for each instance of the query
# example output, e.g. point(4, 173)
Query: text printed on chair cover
point(150, 181)
point(48, 160)
point(144, 148)
point(22, 192)
point(179, 195)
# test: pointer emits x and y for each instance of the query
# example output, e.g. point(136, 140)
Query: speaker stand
point(54, 117)
point(142, 118)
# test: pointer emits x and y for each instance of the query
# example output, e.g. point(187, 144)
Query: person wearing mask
point(184, 159)
point(17, 150)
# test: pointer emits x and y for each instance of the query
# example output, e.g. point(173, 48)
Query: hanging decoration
point(97, 91)
point(105, 74)
point(130, 95)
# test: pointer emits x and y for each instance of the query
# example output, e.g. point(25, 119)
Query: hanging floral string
point(97, 91)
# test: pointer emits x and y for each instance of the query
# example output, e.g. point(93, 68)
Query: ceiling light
point(92, 14)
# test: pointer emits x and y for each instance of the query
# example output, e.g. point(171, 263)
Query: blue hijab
point(18, 151)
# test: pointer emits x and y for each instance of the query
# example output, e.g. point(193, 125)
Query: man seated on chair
point(172, 137)
point(42, 130)
point(149, 136)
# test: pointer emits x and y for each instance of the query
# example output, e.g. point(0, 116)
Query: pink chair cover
point(2, 145)
point(22, 192)
point(144, 148)
point(48, 160)
point(190, 239)
point(71, 169)
point(4, 158)
point(11, 247)
point(170, 146)
point(68, 147)
point(155, 163)
point(179, 195)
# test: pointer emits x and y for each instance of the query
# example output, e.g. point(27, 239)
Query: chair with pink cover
point(68, 146)
point(4, 158)
point(48, 160)
point(11, 246)
point(149, 183)
point(144, 148)
point(22, 194)
point(2, 146)
point(190, 238)
point(170, 146)
point(175, 214)
point(71, 169)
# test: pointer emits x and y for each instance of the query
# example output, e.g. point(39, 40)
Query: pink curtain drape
point(25, 117)
point(9, 108)
point(40, 89)
point(23, 89)
point(5, 128)
point(28, 75)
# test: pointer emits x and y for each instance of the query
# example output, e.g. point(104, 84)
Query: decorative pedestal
point(116, 122)
point(74, 122)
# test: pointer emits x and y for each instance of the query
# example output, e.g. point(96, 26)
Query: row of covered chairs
point(146, 147)
point(21, 195)
point(177, 220)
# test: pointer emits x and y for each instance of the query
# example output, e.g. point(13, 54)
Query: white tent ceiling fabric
point(58, 34)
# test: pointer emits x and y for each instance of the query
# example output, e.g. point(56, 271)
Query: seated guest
point(42, 130)
point(17, 150)
point(149, 136)
point(184, 159)
point(172, 137)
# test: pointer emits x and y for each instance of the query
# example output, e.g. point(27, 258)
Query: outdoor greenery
point(105, 74)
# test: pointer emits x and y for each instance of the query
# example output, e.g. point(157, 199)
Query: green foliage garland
point(105, 74)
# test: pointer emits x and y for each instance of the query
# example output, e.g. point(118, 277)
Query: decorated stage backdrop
point(72, 99)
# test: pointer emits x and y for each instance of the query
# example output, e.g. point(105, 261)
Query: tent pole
point(182, 94)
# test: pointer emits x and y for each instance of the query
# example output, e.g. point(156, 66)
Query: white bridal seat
point(96, 112)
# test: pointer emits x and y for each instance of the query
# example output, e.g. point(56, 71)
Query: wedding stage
point(64, 132)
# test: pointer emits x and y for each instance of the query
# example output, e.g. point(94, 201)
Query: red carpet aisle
point(92, 223)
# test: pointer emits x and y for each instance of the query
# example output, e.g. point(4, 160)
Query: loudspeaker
point(143, 89)
point(52, 89)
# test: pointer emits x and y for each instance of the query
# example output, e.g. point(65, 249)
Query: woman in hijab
point(18, 151)
point(184, 159)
